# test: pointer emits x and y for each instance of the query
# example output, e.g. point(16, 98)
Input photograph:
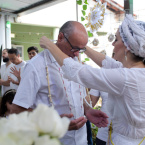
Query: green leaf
point(86, 2)
point(83, 12)
point(84, 7)
point(90, 34)
point(82, 18)
point(87, 59)
point(79, 2)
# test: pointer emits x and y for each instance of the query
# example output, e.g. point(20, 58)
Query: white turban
point(133, 35)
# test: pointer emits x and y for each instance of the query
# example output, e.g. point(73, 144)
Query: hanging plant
point(79, 2)
point(87, 59)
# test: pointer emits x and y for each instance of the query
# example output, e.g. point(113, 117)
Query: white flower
point(96, 16)
point(5, 140)
point(17, 122)
point(18, 138)
point(23, 137)
point(61, 126)
point(18, 130)
point(24, 128)
point(45, 140)
point(47, 120)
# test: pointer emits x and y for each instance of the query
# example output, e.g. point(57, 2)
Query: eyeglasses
point(74, 49)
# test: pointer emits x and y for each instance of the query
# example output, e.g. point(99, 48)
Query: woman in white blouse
point(124, 81)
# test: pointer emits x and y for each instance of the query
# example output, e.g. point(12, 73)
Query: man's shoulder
point(20, 64)
point(11, 65)
point(36, 61)
point(3, 66)
point(24, 62)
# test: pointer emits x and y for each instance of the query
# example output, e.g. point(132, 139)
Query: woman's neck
point(135, 65)
point(138, 65)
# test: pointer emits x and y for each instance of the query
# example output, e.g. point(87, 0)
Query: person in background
point(87, 100)
point(102, 135)
point(32, 51)
point(6, 102)
point(5, 72)
point(124, 84)
point(14, 57)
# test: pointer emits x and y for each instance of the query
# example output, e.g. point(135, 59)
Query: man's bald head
point(71, 27)
point(72, 35)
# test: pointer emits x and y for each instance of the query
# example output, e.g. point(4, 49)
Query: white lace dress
point(126, 96)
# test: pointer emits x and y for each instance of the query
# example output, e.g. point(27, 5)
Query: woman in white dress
point(124, 81)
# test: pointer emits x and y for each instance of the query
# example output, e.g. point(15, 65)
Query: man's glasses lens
point(78, 49)
point(73, 48)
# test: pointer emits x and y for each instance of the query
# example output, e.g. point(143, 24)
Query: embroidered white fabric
point(133, 35)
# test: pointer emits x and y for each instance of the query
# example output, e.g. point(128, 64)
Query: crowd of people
point(56, 77)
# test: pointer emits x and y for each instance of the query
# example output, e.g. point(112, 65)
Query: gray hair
point(67, 28)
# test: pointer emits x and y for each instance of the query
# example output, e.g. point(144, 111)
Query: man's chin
point(5, 59)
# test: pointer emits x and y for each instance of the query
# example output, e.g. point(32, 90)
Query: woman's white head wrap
point(133, 35)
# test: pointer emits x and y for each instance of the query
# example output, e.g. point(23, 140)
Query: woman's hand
point(46, 43)
point(54, 50)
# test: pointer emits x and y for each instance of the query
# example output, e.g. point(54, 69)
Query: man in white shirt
point(19, 64)
point(5, 72)
point(67, 96)
point(32, 51)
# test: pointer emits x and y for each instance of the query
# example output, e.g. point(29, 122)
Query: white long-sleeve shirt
point(126, 96)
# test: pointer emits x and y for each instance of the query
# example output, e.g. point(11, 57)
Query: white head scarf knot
point(133, 35)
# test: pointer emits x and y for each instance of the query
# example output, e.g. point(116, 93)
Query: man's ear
point(60, 37)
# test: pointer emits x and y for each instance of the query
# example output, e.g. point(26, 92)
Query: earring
point(125, 56)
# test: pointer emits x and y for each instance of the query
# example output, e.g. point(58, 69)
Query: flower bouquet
point(43, 126)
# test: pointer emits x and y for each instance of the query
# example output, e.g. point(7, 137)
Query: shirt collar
point(52, 59)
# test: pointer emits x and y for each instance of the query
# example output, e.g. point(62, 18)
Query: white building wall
point(2, 30)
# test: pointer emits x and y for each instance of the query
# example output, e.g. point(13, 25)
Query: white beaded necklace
point(81, 99)
point(47, 76)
